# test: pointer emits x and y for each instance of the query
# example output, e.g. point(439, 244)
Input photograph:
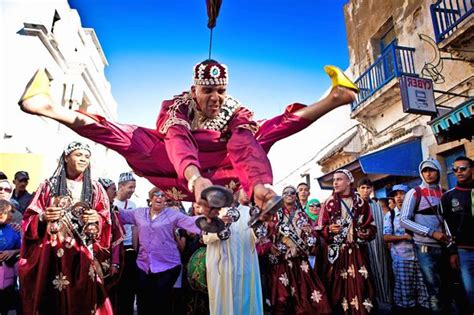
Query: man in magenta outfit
point(203, 136)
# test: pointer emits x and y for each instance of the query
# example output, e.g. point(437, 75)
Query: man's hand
point(52, 214)
point(90, 216)
point(199, 185)
point(262, 195)
point(16, 227)
point(335, 228)
point(114, 270)
point(363, 234)
point(7, 254)
point(207, 211)
point(274, 250)
point(227, 219)
point(454, 262)
point(408, 237)
point(440, 237)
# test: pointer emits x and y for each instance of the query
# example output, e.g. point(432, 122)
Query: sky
point(275, 51)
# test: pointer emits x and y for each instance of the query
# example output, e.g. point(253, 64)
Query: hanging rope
point(213, 7)
point(210, 45)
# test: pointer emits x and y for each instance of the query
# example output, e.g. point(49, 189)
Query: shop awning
point(325, 181)
point(400, 160)
point(456, 124)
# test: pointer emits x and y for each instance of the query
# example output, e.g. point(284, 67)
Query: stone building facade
point(389, 40)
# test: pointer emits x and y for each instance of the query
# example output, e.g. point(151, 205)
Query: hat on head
point(347, 173)
point(399, 187)
point(22, 175)
point(105, 182)
point(210, 72)
point(75, 145)
point(429, 164)
point(126, 177)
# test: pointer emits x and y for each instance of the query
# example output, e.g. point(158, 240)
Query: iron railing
point(447, 14)
point(394, 61)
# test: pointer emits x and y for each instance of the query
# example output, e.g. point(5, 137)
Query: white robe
point(233, 274)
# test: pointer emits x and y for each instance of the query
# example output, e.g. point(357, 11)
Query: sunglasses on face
point(159, 194)
point(6, 189)
point(459, 169)
point(289, 193)
point(316, 205)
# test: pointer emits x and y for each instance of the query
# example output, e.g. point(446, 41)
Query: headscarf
point(312, 216)
point(58, 180)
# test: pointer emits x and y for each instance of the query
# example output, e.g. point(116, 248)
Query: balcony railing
point(447, 14)
point(394, 61)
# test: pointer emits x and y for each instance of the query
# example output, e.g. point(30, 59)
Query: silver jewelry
point(192, 181)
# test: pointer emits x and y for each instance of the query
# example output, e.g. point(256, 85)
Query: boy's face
point(430, 175)
point(364, 191)
point(399, 196)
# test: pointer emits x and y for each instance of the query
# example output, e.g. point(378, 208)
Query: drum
point(196, 270)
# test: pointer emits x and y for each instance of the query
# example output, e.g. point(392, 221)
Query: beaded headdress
point(210, 72)
point(73, 146)
point(347, 173)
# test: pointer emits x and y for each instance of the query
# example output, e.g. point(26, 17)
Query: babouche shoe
point(338, 78)
point(39, 84)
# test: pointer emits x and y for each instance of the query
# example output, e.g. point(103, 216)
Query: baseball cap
point(399, 187)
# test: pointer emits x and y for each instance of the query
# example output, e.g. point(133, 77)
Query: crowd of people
point(80, 246)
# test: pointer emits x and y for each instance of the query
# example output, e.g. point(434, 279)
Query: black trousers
point(154, 291)
point(127, 286)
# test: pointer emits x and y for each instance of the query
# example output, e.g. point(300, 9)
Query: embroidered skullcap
point(105, 182)
point(73, 146)
point(126, 177)
point(347, 173)
point(210, 72)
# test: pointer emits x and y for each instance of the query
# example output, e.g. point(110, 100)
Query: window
point(387, 38)
point(449, 158)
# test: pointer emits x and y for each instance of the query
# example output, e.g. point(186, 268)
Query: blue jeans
point(466, 259)
point(434, 263)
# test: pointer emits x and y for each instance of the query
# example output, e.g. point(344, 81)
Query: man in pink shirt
point(202, 137)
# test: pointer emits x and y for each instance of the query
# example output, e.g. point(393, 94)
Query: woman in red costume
point(295, 287)
point(66, 240)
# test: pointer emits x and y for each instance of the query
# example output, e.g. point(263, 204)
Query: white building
point(48, 34)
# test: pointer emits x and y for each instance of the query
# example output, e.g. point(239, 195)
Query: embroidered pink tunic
point(61, 275)
point(230, 150)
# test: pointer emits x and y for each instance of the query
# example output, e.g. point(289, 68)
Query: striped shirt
point(423, 224)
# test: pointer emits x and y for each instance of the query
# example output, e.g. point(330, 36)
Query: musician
point(347, 225)
point(63, 250)
point(295, 287)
